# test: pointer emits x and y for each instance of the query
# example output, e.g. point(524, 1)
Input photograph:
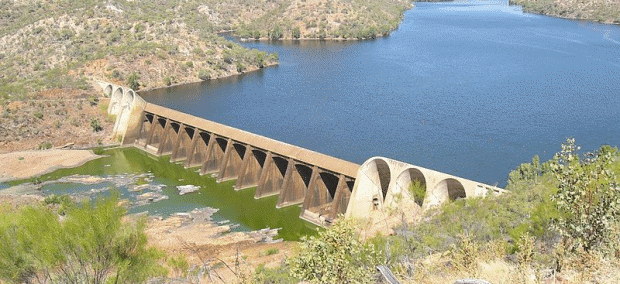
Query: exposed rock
point(183, 189)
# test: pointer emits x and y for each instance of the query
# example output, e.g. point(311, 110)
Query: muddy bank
point(27, 164)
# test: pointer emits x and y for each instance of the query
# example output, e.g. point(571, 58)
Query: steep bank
point(592, 10)
point(56, 118)
point(315, 19)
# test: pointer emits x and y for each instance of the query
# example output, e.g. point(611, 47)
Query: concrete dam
point(324, 186)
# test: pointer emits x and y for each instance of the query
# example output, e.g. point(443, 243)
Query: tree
point(296, 33)
point(259, 58)
point(95, 125)
point(275, 33)
point(588, 194)
point(337, 255)
point(203, 75)
point(133, 81)
point(92, 245)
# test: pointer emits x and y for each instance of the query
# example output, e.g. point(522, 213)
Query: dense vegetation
point(593, 10)
point(560, 219)
point(88, 244)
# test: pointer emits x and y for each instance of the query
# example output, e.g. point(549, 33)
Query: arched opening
point(240, 149)
point(115, 101)
point(200, 149)
point(162, 122)
point(447, 190)
point(455, 189)
point(412, 180)
point(350, 184)
point(380, 175)
point(190, 132)
point(281, 163)
point(260, 157)
point(107, 91)
point(305, 173)
point(331, 182)
point(205, 138)
point(147, 125)
point(150, 117)
point(222, 143)
point(175, 126)
point(128, 98)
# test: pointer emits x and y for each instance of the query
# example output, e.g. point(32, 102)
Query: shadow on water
point(239, 207)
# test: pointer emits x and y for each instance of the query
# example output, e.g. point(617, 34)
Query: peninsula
point(591, 10)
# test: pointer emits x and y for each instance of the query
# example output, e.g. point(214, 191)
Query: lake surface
point(467, 88)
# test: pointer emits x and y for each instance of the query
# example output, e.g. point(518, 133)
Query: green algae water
point(125, 168)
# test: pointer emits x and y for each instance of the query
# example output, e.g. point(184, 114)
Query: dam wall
point(323, 186)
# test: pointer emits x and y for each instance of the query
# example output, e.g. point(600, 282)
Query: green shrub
point(133, 81)
point(275, 33)
point(278, 275)
point(272, 251)
point(91, 245)
point(204, 75)
point(296, 33)
point(45, 146)
point(588, 194)
point(98, 150)
point(95, 125)
point(179, 265)
point(259, 59)
point(57, 199)
point(38, 114)
point(418, 191)
point(93, 100)
point(240, 67)
point(336, 255)
point(167, 81)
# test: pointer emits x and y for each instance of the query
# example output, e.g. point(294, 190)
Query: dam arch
point(446, 190)
point(405, 180)
point(323, 186)
point(115, 101)
point(107, 91)
point(128, 98)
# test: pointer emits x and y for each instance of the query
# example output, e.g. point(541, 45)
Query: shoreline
point(200, 81)
point(20, 165)
point(566, 13)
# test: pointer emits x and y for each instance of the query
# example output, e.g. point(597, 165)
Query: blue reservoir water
point(468, 88)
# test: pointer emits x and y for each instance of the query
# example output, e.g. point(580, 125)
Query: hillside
point(603, 11)
point(324, 19)
point(62, 44)
point(62, 47)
